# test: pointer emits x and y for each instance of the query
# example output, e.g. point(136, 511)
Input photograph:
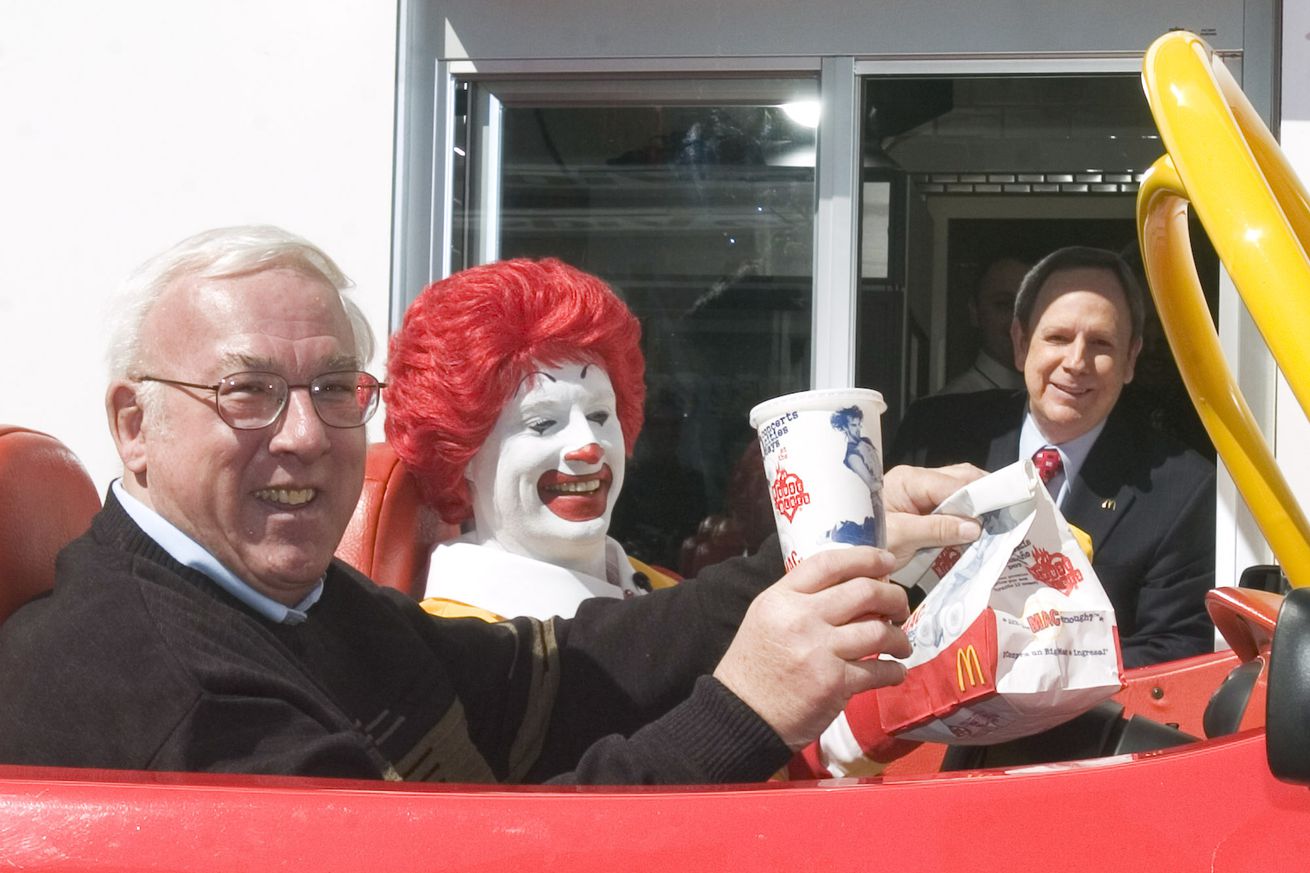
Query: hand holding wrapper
point(1015, 636)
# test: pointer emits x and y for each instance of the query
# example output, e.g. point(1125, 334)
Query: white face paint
point(545, 481)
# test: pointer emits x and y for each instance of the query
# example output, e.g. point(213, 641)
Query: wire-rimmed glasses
point(255, 399)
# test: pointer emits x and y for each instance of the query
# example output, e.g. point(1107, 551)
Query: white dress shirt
point(189, 553)
point(985, 374)
point(1072, 453)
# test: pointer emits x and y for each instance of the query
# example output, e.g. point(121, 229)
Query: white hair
point(216, 254)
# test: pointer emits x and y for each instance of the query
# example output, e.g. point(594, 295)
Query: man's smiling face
point(1079, 352)
point(270, 504)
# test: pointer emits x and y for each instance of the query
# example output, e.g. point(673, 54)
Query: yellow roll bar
point(1222, 158)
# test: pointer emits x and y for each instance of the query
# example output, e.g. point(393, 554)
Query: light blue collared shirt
point(189, 553)
point(1072, 454)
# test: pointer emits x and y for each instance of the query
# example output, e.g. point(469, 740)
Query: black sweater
point(136, 662)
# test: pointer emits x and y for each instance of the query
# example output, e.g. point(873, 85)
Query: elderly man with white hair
point(202, 622)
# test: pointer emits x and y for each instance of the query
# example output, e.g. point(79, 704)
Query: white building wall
point(1293, 435)
point(127, 126)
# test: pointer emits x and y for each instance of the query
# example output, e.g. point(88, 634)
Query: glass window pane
point(695, 201)
point(959, 172)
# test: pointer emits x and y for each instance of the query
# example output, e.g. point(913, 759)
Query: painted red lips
point(576, 498)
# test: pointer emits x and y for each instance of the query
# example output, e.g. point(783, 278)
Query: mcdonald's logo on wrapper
point(1016, 636)
point(968, 667)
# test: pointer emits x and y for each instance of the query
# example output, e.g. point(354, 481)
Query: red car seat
point(392, 531)
point(46, 499)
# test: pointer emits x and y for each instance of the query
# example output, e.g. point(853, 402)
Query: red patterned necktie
point(1048, 463)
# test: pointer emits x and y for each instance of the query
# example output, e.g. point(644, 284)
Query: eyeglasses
point(255, 399)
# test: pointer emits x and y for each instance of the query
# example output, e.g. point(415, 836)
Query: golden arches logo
point(968, 667)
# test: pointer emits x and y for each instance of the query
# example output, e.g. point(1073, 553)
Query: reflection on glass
point(875, 217)
point(700, 215)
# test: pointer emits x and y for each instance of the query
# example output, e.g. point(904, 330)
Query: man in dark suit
point(1146, 500)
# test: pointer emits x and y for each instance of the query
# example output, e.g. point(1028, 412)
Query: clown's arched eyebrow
point(527, 379)
point(581, 375)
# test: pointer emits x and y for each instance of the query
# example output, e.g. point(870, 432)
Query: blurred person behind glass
point(991, 309)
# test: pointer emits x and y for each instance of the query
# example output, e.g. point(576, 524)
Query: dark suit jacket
point(1146, 500)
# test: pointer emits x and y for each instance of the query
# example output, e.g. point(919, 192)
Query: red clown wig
point(468, 342)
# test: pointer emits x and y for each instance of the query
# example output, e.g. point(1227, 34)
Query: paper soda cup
point(823, 459)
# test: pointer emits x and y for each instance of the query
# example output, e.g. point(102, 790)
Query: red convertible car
point(1199, 764)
